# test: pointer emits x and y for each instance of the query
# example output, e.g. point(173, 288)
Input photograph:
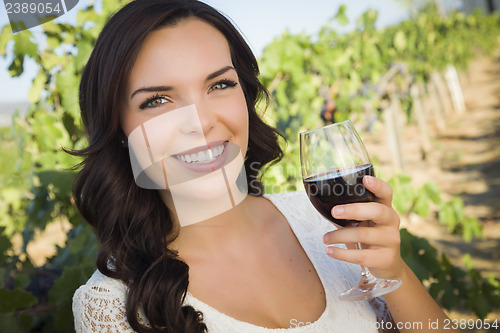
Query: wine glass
point(334, 161)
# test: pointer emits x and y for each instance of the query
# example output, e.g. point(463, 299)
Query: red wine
point(337, 187)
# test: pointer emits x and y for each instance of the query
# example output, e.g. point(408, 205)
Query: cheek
point(129, 121)
point(240, 122)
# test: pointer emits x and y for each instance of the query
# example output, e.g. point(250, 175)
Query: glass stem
point(368, 281)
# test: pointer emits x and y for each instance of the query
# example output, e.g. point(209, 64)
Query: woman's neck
point(219, 233)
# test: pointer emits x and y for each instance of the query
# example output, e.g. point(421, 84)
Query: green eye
point(154, 102)
point(222, 84)
point(219, 86)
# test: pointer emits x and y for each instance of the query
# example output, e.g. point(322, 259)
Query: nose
point(199, 122)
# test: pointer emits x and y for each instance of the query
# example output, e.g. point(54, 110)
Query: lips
point(202, 154)
point(205, 158)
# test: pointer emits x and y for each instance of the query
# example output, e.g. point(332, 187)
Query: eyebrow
point(167, 88)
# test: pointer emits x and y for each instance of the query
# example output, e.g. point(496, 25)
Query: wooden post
point(390, 115)
point(420, 116)
point(443, 93)
point(457, 96)
point(437, 109)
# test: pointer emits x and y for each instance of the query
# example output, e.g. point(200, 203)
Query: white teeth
point(208, 155)
point(201, 157)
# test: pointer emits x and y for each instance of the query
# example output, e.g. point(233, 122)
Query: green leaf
point(417, 267)
point(421, 205)
point(400, 41)
point(11, 300)
point(22, 280)
point(467, 259)
point(458, 207)
point(85, 15)
point(67, 83)
point(429, 259)
point(37, 87)
point(61, 294)
point(50, 132)
point(66, 78)
point(403, 198)
point(23, 46)
point(5, 38)
point(491, 289)
point(61, 180)
point(437, 288)
point(447, 216)
point(84, 50)
point(17, 66)
point(11, 324)
point(341, 17)
point(406, 242)
point(494, 283)
point(3, 276)
point(51, 28)
point(480, 305)
point(471, 228)
point(493, 299)
point(70, 280)
point(404, 194)
point(433, 192)
point(450, 298)
point(51, 60)
point(5, 244)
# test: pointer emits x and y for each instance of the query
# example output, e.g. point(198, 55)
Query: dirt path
point(471, 161)
point(468, 157)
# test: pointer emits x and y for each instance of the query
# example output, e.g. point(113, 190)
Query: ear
point(123, 139)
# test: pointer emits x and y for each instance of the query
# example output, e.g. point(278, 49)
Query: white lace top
point(99, 305)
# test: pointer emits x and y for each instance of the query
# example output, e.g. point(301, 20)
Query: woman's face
point(184, 78)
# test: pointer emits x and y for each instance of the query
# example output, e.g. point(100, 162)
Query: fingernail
point(338, 210)
point(326, 238)
point(329, 251)
point(369, 180)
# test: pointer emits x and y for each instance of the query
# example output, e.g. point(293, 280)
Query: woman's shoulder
point(290, 201)
point(102, 286)
point(300, 213)
point(99, 305)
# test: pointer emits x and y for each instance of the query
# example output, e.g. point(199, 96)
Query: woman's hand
point(411, 303)
point(380, 241)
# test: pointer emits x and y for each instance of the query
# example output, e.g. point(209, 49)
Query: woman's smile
point(204, 158)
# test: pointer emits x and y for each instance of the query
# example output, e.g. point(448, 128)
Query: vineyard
point(422, 93)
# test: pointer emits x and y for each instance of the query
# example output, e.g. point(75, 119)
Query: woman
point(256, 266)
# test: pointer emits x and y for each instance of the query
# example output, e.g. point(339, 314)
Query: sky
point(260, 21)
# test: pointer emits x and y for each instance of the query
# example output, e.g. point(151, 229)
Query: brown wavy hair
point(133, 224)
